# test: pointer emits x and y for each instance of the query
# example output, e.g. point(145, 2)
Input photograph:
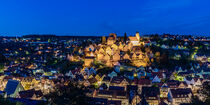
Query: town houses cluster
point(115, 69)
point(112, 51)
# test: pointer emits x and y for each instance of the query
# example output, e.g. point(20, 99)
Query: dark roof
point(117, 80)
point(25, 101)
point(97, 101)
point(11, 86)
point(104, 86)
point(116, 88)
point(143, 101)
point(112, 93)
point(181, 93)
point(114, 102)
point(144, 81)
point(206, 76)
point(150, 92)
point(185, 73)
point(132, 87)
point(185, 104)
point(173, 83)
point(121, 93)
point(162, 103)
point(30, 93)
point(105, 92)
point(106, 78)
point(188, 78)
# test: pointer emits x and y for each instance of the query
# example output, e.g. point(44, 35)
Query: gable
point(101, 50)
point(114, 46)
point(126, 56)
point(124, 81)
point(156, 79)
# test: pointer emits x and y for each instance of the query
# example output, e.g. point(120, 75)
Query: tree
point(105, 70)
point(2, 61)
point(66, 65)
point(164, 58)
point(125, 38)
point(1, 67)
point(2, 58)
point(4, 101)
point(196, 101)
point(72, 94)
point(205, 92)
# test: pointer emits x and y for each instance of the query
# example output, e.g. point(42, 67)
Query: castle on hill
point(112, 51)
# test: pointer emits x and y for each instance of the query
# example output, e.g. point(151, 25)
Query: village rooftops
point(30, 94)
point(106, 79)
point(143, 81)
point(181, 93)
point(117, 80)
point(151, 93)
point(97, 101)
point(118, 88)
point(11, 86)
point(112, 93)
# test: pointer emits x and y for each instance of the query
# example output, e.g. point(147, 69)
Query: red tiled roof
point(133, 38)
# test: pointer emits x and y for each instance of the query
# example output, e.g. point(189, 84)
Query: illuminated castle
point(113, 51)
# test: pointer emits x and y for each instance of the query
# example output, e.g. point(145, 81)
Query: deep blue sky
point(100, 17)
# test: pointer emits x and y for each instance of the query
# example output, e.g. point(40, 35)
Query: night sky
point(101, 17)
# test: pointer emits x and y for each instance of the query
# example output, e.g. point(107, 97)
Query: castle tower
point(103, 39)
point(111, 39)
point(137, 35)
